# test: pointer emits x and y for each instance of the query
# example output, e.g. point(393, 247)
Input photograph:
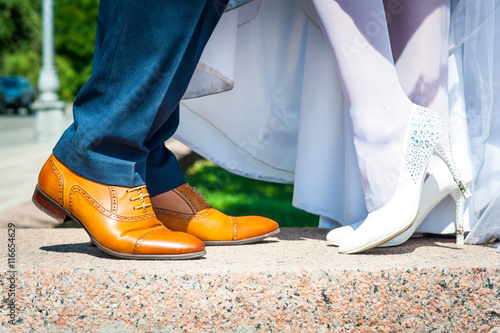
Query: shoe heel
point(447, 157)
point(459, 219)
point(462, 194)
point(48, 206)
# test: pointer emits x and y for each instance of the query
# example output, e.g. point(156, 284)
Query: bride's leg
point(379, 108)
point(418, 32)
point(419, 39)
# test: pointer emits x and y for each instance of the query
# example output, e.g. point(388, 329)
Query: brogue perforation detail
point(140, 241)
point(102, 210)
point(114, 200)
point(235, 227)
point(183, 215)
point(193, 189)
point(59, 178)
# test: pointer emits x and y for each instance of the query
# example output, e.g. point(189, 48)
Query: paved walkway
point(20, 161)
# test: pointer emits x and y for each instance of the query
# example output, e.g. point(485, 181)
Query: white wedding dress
point(266, 103)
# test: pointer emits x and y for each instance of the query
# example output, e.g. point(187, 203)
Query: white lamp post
point(50, 120)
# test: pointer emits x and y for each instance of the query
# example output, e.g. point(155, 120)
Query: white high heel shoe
point(437, 186)
point(423, 136)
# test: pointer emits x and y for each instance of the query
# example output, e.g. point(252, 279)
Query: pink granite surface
point(291, 283)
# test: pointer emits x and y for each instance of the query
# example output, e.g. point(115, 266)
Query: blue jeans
point(145, 55)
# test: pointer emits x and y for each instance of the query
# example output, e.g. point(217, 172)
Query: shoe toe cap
point(254, 226)
point(336, 236)
point(167, 242)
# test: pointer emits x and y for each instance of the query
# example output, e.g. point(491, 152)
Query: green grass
point(236, 195)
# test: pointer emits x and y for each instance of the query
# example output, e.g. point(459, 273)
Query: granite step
point(292, 282)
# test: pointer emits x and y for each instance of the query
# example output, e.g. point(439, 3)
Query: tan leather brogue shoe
point(119, 220)
point(184, 209)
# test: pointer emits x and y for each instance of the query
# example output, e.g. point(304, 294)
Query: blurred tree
point(20, 40)
point(75, 26)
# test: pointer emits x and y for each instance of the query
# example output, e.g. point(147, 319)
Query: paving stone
point(292, 282)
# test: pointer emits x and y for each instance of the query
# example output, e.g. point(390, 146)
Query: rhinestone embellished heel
point(422, 138)
point(459, 221)
point(463, 192)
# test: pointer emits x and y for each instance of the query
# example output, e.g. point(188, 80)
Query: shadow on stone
point(69, 224)
point(265, 241)
point(412, 244)
point(87, 248)
point(301, 234)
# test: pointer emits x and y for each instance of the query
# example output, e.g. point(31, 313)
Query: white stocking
point(419, 33)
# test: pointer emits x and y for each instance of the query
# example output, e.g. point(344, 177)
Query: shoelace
point(141, 197)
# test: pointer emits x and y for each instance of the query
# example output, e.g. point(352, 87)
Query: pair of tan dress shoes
point(127, 223)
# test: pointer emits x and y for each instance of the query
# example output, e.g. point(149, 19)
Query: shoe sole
point(413, 236)
point(47, 205)
point(242, 241)
point(377, 243)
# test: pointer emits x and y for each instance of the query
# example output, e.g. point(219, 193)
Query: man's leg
point(163, 172)
point(146, 52)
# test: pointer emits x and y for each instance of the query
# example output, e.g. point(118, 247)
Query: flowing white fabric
point(266, 103)
point(475, 50)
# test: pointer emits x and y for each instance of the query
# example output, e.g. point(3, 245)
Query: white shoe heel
point(459, 220)
point(424, 133)
point(462, 194)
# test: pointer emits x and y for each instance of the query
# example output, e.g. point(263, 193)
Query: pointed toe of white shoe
point(338, 235)
point(370, 235)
